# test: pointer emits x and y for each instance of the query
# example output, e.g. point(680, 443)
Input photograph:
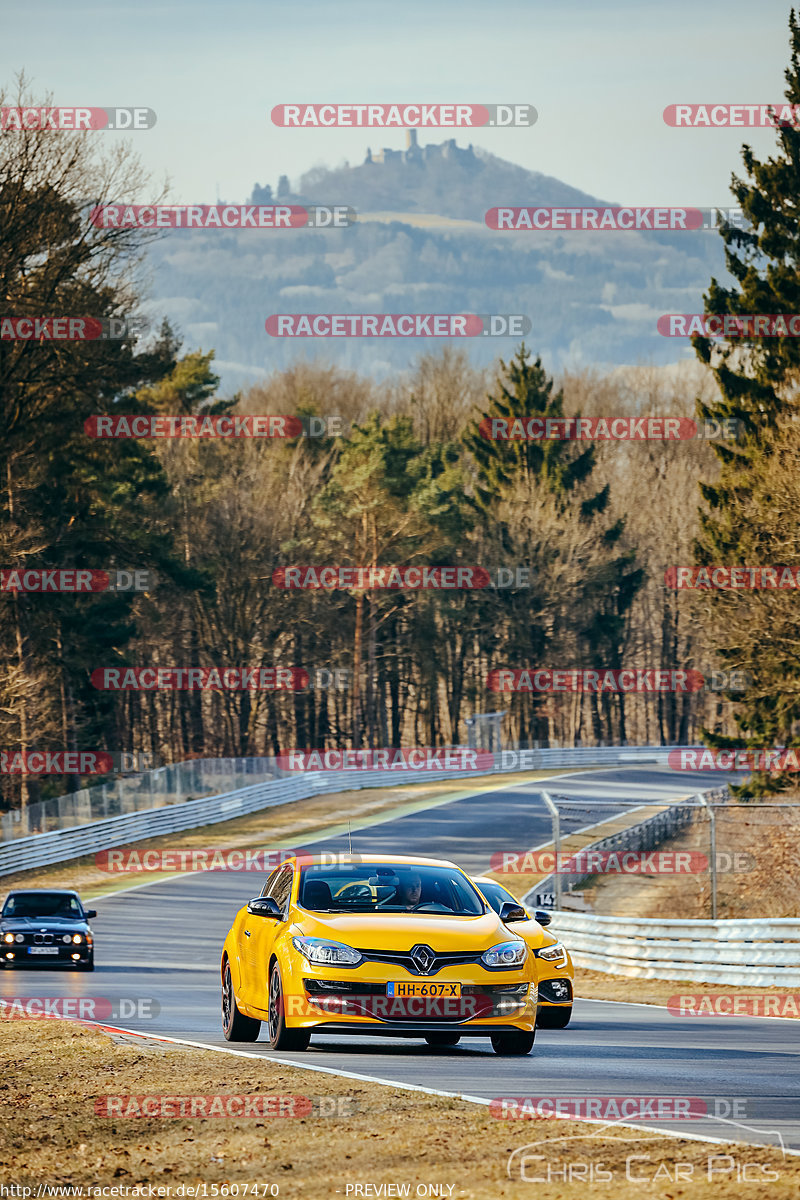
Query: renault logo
point(423, 958)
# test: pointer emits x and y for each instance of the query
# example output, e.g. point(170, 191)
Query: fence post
point(556, 846)
point(712, 852)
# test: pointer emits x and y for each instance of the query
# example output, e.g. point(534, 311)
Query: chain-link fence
point(710, 856)
point(134, 793)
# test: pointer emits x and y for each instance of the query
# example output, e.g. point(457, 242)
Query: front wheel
point(553, 1018)
point(235, 1026)
point(516, 1043)
point(280, 1036)
point(442, 1039)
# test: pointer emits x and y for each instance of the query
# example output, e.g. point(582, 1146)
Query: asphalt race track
point(163, 942)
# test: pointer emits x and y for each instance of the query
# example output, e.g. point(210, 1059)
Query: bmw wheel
point(280, 1036)
point(235, 1026)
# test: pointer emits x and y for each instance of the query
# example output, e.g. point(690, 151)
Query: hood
point(533, 933)
point(401, 931)
point(38, 923)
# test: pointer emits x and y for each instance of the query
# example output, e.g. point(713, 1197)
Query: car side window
point(281, 889)
point(265, 891)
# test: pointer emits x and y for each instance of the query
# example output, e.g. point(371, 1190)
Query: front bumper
point(352, 1000)
point(17, 955)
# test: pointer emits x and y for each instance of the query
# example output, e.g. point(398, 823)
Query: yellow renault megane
point(397, 946)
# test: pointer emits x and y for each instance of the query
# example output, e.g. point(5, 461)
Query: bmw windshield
point(388, 888)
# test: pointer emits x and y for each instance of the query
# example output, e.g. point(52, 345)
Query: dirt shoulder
point(777, 1002)
point(54, 1074)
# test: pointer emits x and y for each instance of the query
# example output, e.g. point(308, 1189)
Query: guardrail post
point(554, 816)
point(712, 852)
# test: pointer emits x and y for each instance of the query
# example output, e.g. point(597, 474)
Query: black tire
point(513, 1044)
point(442, 1039)
point(553, 1018)
point(280, 1036)
point(235, 1026)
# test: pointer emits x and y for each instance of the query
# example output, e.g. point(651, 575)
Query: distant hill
point(439, 178)
point(421, 245)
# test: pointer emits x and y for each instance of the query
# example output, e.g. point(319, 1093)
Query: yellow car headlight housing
point(556, 954)
point(324, 953)
point(505, 954)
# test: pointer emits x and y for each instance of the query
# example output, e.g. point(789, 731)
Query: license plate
point(445, 990)
point(42, 949)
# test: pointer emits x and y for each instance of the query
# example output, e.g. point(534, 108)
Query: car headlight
point(506, 954)
point(19, 937)
point(324, 953)
point(77, 938)
point(8, 937)
point(67, 937)
point(555, 954)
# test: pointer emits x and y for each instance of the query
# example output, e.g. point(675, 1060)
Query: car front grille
point(405, 960)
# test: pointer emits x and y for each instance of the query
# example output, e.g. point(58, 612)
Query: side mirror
point(90, 912)
point(265, 906)
point(542, 917)
point(512, 912)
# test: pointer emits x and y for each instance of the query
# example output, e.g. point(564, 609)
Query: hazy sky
point(599, 75)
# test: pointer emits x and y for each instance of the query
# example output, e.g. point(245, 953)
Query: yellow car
point(404, 947)
point(555, 974)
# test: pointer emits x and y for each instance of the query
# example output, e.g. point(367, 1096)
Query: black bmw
point(45, 927)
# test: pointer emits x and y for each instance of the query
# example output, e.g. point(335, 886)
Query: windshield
point(497, 895)
point(385, 888)
point(42, 904)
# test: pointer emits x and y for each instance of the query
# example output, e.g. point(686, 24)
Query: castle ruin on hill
point(414, 153)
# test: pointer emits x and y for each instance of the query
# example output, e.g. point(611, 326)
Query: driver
point(409, 891)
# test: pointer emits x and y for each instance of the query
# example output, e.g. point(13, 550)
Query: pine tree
point(758, 383)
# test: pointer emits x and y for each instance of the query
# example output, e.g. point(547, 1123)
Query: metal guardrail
point(645, 835)
point(43, 849)
point(759, 953)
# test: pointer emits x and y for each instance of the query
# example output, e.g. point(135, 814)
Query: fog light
point(76, 957)
point(9, 956)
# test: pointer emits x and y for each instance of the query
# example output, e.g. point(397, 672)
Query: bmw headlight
point(8, 937)
point(325, 953)
point(555, 954)
point(19, 937)
point(67, 938)
point(506, 954)
point(77, 939)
